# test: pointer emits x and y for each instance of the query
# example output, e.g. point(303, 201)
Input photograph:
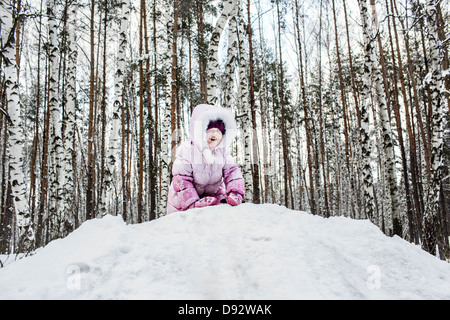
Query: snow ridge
point(245, 252)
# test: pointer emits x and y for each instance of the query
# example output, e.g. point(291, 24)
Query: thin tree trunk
point(202, 59)
point(151, 124)
point(305, 114)
point(36, 128)
point(321, 120)
point(255, 158)
point(388, 145)
point(69, 135)
point(156, 94)
point(26, 235)
point(396, 106)
point(166, 134)
point(140, 204)
point(212, 97)
point(90, 194)
point(113, 180)
point(432, 232)
point(55, 147)
point(102, 192)
point(364, 114)
point(284, 136)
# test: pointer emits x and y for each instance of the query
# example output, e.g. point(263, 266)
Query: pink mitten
point(234, 199)
point(205, 202)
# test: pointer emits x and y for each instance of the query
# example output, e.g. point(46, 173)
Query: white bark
point(387, 142)
point(112, 177)
point(69, 134)
point(55, 141)
point(365, 102)
point(230, 67)
point(435, 79)
point(166, 133)
point(213, 50)
point(244, 103)
point(16, 136)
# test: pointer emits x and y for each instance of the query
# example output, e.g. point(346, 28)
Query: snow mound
point(246, 252)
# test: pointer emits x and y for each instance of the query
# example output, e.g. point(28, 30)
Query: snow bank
point(246, 252)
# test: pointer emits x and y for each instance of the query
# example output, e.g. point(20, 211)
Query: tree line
point(343, 108)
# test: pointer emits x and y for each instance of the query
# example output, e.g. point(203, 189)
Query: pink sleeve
point(183, 180)
point(234, 180)
point(185, 190)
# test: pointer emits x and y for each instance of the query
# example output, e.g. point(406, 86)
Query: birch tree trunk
point(263, 99)
point(413, 151)
point(140, 196)
point(387, 140)
point(213, 51)
point(255, 149)
point(113, 178)
point(166, 142)
point(202, 51)
point(432, 236)
point(306, 113)
point(69, 135)
point(396, 107)
point(364, 114)
point(155, 169)
point(90, 194)
point(244, 102)
point(232, 54)
point(101, 207)
point(24, 223)
point(348, 151)
point(284, 135)
point(55, 147)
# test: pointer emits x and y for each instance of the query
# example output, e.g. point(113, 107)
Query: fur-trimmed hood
point(202, 115)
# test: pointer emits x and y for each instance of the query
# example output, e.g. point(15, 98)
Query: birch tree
point(213, 65)
point(166, 143)
point(432, 223)
point(306, 112)
point(386, 130)
point(255, 157)
point(69, 135)
point(90, 194)
point(113, 180)
point(244, 100)
point(55, 142)
point(140, 205)
point(364, 114)
point(9, 19)
point(232, 54)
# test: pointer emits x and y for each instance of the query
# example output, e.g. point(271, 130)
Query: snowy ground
point(247, 252)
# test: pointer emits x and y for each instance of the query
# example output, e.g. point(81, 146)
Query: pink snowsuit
point(199, 171)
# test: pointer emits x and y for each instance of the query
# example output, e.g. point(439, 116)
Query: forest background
point(342, 106)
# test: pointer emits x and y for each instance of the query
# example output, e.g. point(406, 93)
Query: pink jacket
point(199, 171)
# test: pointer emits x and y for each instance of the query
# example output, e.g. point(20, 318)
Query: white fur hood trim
point(200, 119)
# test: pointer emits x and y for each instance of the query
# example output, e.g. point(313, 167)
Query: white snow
point(246, 252)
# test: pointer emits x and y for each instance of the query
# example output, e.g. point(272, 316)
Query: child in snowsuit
point(204, 174)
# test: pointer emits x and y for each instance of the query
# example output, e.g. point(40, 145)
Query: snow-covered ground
point(246, 252)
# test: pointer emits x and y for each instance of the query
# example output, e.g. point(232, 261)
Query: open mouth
point(212, 139)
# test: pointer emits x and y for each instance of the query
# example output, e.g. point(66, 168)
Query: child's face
point(213, 137)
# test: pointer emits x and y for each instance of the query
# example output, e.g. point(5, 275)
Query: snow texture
point(245, 252)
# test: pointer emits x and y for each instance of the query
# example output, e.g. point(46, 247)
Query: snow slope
point(246, 252)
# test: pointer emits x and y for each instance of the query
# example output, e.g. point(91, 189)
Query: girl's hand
point(234, 199)
point(205, 202)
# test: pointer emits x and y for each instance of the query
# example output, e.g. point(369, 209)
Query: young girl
point(204, 174)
